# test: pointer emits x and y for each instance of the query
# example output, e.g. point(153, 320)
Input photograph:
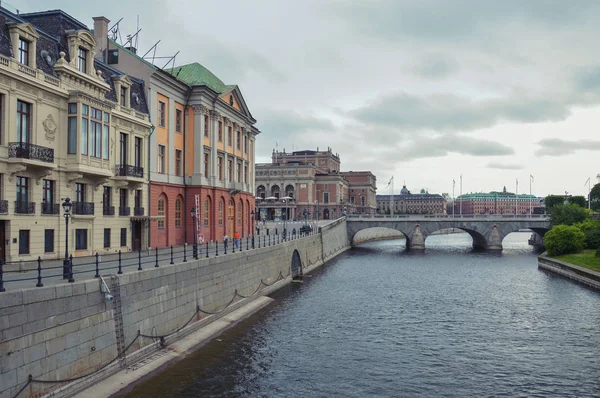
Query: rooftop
point(195, 74)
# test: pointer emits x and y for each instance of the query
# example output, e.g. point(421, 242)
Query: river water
point(380, 322)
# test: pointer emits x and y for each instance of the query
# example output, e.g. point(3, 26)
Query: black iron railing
point(108, 210)
point(3, 206)
point(83, 208)
point(24, 207)
point(50, 208)
point(127, 170)
point(25, 150)
point(124, 211)
point(138, 211)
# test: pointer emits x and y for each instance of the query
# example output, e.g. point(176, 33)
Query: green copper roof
point(197, 75)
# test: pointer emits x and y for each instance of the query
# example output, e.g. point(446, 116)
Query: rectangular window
point(84, 136)
point(123, 148)
point(230, 170)
point(105, 138)
point(82, 60)
point(24, 52)
point(239, 172)
point(23, 122)
point(138, 152)
point(229, 135)
point(245, 144)
point(220, 167)
point(206, 125)
point(161, 159)
point(177, 162)
point(123, 193)
point(178, 120)
point(220, 131)
point(106, 237)
point(123, 96)
point(325, 197)
point(238, 140)
point(81, 240)
point(79, 192)
point(48, 192)
point(245, 174)
point(206, 170)
point(123, 237)
point(107, 197)
point(138, 198)
point(22, 192)
point(48, 241)
point(96, 133)
point(162, 108)
point(23, 241)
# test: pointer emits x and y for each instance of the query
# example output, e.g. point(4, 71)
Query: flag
point(389, 182)
point(453, 183)
point(586, 181)
point(530, 176)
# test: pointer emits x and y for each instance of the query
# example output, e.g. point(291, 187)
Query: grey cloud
point(559, 147)
point(441, 112)
point(434, 67)
point(504, 166)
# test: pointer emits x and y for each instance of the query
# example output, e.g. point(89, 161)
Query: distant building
point(309, 185)
point(409, 203)
point(496, 203)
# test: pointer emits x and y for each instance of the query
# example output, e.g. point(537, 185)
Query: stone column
point(495, 239)
point(417, 239)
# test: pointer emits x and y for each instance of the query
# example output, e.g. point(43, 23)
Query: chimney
point(101, 36)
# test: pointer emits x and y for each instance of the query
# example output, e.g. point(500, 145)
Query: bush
point(598, 253)
point(564, 239)
point(591, 229)
point(568, 214)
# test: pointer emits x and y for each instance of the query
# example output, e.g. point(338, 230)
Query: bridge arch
point(479, 240)
point(375, 233)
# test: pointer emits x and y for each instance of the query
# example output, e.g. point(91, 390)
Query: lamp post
point(195, 251)
point(67, 213)
point(284, 217)
point(317, 203)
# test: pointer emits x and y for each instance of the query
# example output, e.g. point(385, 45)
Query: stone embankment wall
point(579, 274)
point(71, 330)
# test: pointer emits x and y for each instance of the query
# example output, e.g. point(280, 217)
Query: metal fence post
point(71, 280)
point(184, 253)
point(156, 254)
point(2, 289)
point(120, 270)
point(216, 248)
point(140, 260)
point(97, 270)
point(253, 241)
point(247, 240)
point(206, 249)
point(172, 254)
point(39, 284)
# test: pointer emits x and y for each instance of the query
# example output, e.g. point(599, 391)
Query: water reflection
point(380, 321)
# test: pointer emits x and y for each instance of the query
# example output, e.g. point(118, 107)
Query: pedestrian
point(236, 239)
point(225, 240)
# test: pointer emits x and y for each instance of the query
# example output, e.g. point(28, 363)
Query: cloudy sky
point(422, 90)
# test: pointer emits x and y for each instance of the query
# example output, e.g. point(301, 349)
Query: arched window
point(206, 212)
point(161, 212)
point(221, 205)
point(178, 213)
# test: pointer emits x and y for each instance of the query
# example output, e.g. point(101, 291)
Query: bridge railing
point(538, 217)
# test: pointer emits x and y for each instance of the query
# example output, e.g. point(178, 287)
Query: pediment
point(83, 36)
point(123, 79)
point(24, 29)
point(239, 103)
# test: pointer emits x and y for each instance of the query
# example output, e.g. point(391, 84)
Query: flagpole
point(453, 201)
point(516, 196)
point(530, 201)
point(460, 204)
point(589, 192)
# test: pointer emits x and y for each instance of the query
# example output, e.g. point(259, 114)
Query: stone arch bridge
point(487, 231)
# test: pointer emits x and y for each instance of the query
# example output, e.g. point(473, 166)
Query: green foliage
point(553, 200)
point(568, 214)
point(578, 200)
point(598, 252)
point(564, 239)
point(595, 197)
point(591, 228)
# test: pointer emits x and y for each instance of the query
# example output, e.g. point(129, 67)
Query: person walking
point(236, 239)
point(225, 240)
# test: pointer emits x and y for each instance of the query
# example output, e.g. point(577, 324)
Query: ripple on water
point(378, 322)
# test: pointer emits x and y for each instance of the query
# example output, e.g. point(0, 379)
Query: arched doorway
point(326, 214)
point(296, 264)
point(231, 218)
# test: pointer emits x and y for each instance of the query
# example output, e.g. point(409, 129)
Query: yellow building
point(70, 127)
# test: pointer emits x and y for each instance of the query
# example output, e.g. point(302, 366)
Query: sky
point(420, 90)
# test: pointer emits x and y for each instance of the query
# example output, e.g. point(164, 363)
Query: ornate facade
point(72, 127)
point(496, 203)
point(409, 203)
point(309, 185)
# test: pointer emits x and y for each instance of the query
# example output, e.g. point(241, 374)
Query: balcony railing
point(24, 207)
point(25, 150)
point(50, 208)
point(108, 210)
point(83, 208)
point(124, 211)
point(138, 211)
point(3, 206)
point(127, 170)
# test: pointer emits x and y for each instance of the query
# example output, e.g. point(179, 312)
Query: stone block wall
point(65, 331)
point(334, 238)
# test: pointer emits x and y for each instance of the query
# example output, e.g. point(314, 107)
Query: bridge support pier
point(417, 240)
point(495, 239)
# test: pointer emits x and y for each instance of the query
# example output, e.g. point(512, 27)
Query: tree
point(553, 200)
point(564, 239)
point(568, 214)
point(578, 200)
point(591, 230)
point(595, 197)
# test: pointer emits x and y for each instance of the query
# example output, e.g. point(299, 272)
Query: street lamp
point(66, 263)
point(195, 251)
point(284, 216)
point(317, 203)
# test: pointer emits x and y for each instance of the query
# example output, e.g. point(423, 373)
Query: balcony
point(50, 208)
point(83, 208)
point(25, 150)
point(138, 211)
point(24, 207)
point(124, 211)
point(127, 170)
point(3, 206)
point(108, 210)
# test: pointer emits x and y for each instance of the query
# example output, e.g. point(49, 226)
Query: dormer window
point(24, 51)
point(123, 96)
point(82, 56)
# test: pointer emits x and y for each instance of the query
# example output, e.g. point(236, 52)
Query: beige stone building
point(70, 127)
